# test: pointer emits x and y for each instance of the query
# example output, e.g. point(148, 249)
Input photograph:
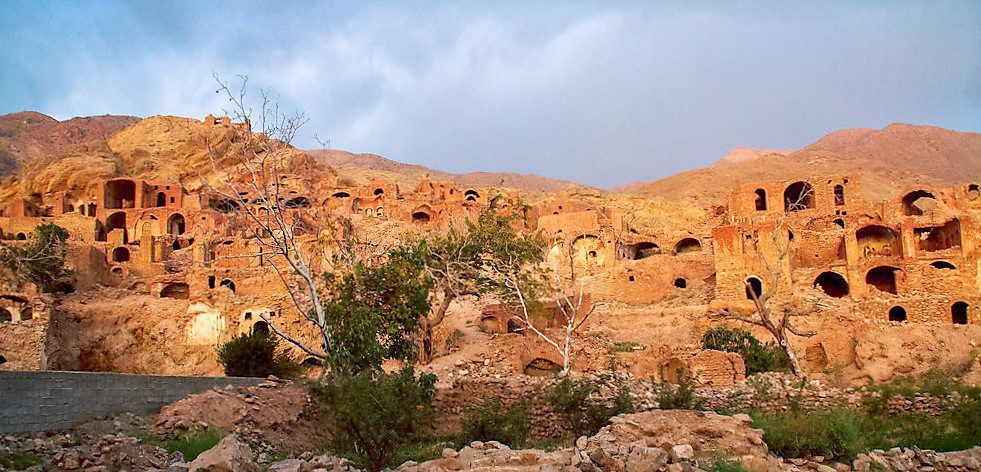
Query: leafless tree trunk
point(570, 294)
point(253, 173)
point(778, 325)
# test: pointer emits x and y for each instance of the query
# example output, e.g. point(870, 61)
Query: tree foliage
point(40, 261)
point(373, 310)
point(256, 355)
point(757, 356)
point(372, 415)
point(458, 263)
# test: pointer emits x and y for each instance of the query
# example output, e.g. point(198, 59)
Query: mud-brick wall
point(43, 401)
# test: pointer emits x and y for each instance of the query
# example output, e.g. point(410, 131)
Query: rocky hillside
point(891, 159)
point(29, 136)
point(368, 166)
point(40, 154)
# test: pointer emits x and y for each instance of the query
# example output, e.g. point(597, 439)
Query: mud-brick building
point(908, 260)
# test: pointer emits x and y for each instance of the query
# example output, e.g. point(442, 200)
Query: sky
point(602, 93)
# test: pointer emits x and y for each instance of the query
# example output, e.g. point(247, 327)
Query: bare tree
point(250, 179)
point(568, 290)
point(778, 321)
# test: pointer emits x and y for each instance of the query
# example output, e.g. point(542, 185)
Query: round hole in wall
point(680, 282)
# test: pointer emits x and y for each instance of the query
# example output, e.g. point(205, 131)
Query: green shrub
point(725, 465)
point(955, 430)
point(835, 434)
point(255, 355)
point(680, 397)
point(373, 417)
point(189, 443)
point(757, 356)
point(18, 460)
point(626, 346)
point(507, 424)
point(841, 434)
point(581, 414)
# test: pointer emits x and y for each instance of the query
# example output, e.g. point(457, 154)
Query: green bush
point(835, 434)
point(955, 430)
point(680, 397)
point(507, 424)
point(757, 356)
point(581, 414)
point(190, 444)
point(841, 434)
point(256, 355)
point(18, 460)
point(725, 465)
point(373, 417)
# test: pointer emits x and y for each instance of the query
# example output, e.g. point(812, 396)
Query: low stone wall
point(43, 401)
point(768, 392)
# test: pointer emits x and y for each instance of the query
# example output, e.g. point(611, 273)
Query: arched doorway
point(883, 278)
point(177, 290)
point(760, 199)
point(161, 199)
point(958, 313)
point(117, 221)
point(229, 284)
point(260, 327)
point(832, 283)
point(897, 314)
point(916, 202)
point(754, 286)
point(175, 224)
point(120, 254)
point(120, 194)
point(798, 196)
point(687, 245)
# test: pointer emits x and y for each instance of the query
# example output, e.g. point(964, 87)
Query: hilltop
point(897, 156)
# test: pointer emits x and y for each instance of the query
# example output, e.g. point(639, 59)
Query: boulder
point(229, 455)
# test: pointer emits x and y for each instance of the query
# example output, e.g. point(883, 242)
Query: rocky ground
point(265, 423)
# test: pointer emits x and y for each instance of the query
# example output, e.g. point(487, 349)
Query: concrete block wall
point(50, 400)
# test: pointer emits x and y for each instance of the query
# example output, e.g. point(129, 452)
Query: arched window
point(471, 195)
point(897, 314)
point(760, 199)
point(915, 202)
point(753, 286)
point(943, 265)
point(5, 315)
point(839, 195)
point(958, 313)
point(229, 284)
point(120, 254)
point(161, 199)
point(798, 196)
point(421, 215)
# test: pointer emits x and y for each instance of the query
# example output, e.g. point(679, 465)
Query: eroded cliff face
point(165, 269)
